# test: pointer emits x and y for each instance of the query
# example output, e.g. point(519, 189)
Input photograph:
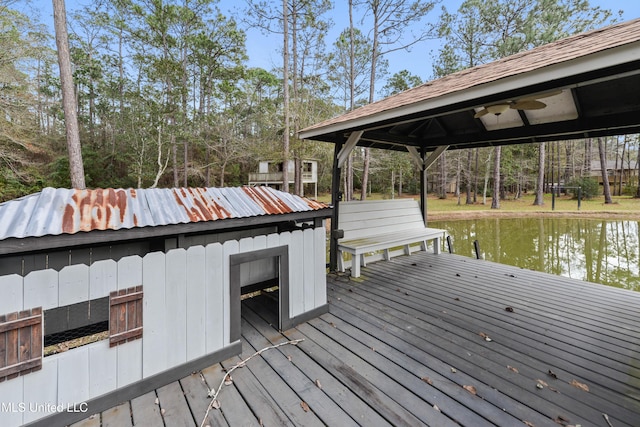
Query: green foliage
point(165, 97)
point(401, 81)
point(588, 185)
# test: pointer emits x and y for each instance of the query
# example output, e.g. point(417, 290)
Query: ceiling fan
point(526, 103)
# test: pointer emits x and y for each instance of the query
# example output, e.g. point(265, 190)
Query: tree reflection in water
point(595, 250)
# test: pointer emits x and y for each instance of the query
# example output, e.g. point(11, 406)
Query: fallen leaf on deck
point(436, 408)
point(162, 411)
point(552, 374)
point(457, 299)
point(318, 384)
point(454, 370)
point(485, 336)
point(427, 380)
point(289, 357)
point(157, 402)
point(414, 264)
point(561, 420)
point(457, 274)
point(543, 383)
point(527, 423)
point(579, 385)
point(304, 406)
point(228, 380)
point(511, 368)
point(471, 389)
point(509, 309)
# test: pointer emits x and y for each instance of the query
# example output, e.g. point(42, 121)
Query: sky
point(263, 49)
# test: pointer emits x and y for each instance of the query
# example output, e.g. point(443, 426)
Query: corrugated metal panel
point(57, 211)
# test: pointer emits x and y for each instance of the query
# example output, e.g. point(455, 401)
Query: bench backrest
point(372, 217)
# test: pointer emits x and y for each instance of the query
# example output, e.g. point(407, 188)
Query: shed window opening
point(75, 325)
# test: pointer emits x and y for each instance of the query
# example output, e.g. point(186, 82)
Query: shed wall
point(186, 315)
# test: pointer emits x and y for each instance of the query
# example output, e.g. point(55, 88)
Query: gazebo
point(583, 86)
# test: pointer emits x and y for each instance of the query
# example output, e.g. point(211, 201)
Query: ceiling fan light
point(497, 109)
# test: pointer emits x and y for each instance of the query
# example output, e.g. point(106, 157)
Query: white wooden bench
point(380, 225)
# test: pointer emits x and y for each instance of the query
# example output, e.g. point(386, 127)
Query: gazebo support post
point(423, 185)
point(336, 197)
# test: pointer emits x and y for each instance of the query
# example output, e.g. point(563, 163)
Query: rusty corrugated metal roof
point(55, 211)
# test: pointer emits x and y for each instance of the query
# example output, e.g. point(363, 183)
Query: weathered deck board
point(173, 405)
point(119, 416)
point(233, 408)
point(195, 391)
point(145, 410)
point(338, 392)
point(406, 338)
point(326, 409)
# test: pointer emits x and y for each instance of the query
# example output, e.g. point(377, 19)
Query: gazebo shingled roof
point(598, 73)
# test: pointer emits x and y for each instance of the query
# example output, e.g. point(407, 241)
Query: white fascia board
point(603, 59)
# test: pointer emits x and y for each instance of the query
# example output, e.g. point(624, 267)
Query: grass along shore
point(623, 207)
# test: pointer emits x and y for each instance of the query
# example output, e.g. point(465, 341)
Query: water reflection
point(595, 250)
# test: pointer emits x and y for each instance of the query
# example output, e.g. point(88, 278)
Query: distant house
point(627, 170)
point(270, 175)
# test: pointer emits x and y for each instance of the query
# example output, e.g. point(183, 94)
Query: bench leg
point(387, 257)
point(436, 245)
point(423, 245)
point(340, 262)
point(355, 266)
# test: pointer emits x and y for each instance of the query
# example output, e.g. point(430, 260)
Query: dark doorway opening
point(263, 273)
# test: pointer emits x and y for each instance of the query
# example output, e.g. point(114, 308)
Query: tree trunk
point(372, 91)
point(638, 174)
point(624, 147)
point(495, 199)
point(285, 92)
point(539, 200)
point(605, 175)
point(477, 174)
point(468, 176)
point(76, 168)
point(443, 176)
point(365, 174)
point(348, 190)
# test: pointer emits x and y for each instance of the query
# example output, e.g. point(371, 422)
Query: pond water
point(595, 250)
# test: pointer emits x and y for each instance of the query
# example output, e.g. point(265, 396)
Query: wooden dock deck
point(439, 340)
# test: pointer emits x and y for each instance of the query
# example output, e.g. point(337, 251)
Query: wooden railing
point(277, 177)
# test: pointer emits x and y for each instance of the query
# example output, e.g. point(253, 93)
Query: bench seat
point(380, 226)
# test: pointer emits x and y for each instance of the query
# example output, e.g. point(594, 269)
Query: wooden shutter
point(20, 343)
point(125, 315)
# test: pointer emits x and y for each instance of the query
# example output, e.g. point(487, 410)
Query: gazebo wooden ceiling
point(590, 84)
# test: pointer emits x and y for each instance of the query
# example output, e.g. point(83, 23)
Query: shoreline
point(465, 215)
